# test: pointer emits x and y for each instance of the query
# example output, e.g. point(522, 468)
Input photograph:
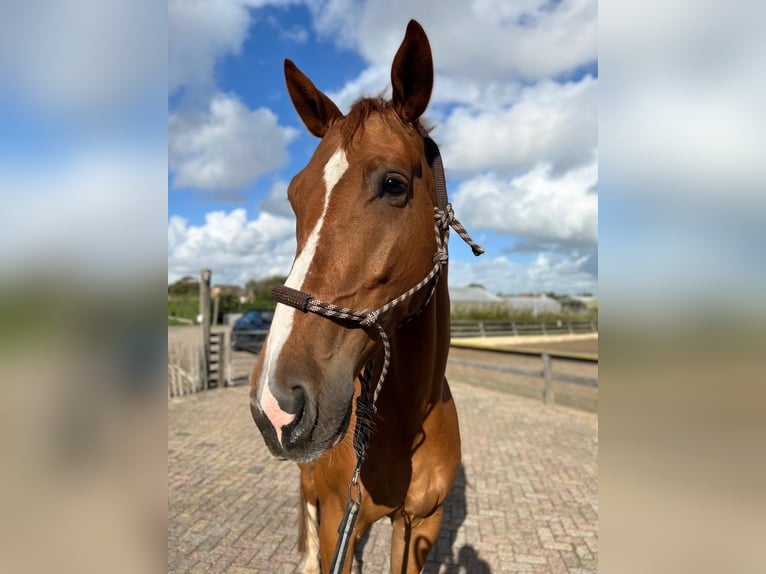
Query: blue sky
point(255, 77)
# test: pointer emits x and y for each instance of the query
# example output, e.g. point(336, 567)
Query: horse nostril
point(294, 401)
point(300, 428)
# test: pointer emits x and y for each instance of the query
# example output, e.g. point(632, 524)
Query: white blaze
point(282, 323)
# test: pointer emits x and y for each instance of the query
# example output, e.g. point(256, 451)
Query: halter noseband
point(444, 218)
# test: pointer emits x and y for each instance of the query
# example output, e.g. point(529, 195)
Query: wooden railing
point(494, 328)
point(237, 364)
point(497, 369)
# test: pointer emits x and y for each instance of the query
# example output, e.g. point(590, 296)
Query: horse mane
point(363, 108)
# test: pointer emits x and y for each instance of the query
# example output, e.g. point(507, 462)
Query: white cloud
point(483, 39)
point(547, 272)
point(226, 146)
point(199, 33)
point(202, 32)
point(485, 95)
point(373, 81)
point(550, 122)
point(276, 201)
point(337, 19)
point(295, 33)
point(536, 205)
point(233, 247)
point(499, 123)
point(83, 57)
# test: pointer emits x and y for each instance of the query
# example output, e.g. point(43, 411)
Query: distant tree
point(185, 286)
point(479, 285)
point(228, 302)
point(260, 290)
point(572, 304)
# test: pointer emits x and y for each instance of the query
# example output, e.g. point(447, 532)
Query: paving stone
point(525, 501)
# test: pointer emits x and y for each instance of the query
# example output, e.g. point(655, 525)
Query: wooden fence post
point(193, 361)
point(225, 369)
point(548, 395)
point(229, 359)
point(215, 309)
point(204, 304)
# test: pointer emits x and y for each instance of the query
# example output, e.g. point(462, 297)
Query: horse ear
point(316, 110)
point(412, 74)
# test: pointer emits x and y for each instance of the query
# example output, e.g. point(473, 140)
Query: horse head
point(364, 207)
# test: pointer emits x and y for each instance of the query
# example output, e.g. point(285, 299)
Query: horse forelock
point(353, 123)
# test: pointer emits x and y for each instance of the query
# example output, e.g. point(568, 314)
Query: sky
point(514, 107)
point(152, 137)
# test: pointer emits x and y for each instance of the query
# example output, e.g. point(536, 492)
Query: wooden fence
point(521, 371)
point(185, 370)
point(494, 328)
point(237, 363)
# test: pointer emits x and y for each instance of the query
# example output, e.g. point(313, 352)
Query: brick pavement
point(525, 501)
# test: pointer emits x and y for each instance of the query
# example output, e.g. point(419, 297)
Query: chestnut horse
point(371, 233)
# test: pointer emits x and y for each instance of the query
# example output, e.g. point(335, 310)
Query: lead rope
point(361, 442)
point(444, 218)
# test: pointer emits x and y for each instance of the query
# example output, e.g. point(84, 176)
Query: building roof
point(472, 295)
point(535, 302)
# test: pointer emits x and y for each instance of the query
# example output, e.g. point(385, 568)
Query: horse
point(372, 224)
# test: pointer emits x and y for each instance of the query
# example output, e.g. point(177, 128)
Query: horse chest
point(414, 473)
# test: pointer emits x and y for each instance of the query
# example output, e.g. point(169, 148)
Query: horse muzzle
point(291, 428)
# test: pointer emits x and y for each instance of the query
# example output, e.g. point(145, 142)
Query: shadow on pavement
point(457, 561)
point(466, 558)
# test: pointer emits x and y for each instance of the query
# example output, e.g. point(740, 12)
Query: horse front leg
point(412, 539)
point(309, 543)
point(331, 516)
point(308, 534)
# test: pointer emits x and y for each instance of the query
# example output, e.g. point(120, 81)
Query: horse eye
point(393, 186)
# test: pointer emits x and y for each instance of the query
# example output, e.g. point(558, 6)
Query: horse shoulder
point(436, 462)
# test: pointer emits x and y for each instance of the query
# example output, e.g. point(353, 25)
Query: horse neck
point(419, 357)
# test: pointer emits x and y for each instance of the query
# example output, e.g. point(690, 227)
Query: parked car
point(249, 331)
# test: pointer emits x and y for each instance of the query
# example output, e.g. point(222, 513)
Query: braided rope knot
point(370, 318)
point(444, 217)
point(441, 257)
